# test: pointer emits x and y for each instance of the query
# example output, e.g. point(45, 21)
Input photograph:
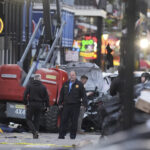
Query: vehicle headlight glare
point(144, 43)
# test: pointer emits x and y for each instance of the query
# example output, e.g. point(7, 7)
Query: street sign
point(72, 56)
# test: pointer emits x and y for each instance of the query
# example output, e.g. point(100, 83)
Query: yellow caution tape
point(1, 131)
point(35, 144)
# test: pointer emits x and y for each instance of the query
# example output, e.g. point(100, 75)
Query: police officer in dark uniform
point(117, 85)
point(83, 79)
point(36, 99)
point(70, 99)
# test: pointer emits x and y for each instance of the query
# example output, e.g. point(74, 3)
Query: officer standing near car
point(83, 79)
point(70, 99)
point(36, 100)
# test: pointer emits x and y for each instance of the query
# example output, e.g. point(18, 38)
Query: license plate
point(15, 110)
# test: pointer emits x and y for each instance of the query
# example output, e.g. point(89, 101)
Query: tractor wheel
point(3, 118)
point(51, 119)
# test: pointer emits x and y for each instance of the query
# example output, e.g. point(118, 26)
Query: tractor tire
point(51, 119)
point(3, 118)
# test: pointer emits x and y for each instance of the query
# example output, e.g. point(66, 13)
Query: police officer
point(145, 83)
point(117, 85)
point(70, 99)
point(36, 99)
point(145, 77)
point(83, 79)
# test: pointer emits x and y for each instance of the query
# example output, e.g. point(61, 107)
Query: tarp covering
point(141, 86)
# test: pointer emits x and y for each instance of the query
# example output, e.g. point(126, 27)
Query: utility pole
point(13, 30)
point(47, 21)
point(99, 35)
point(6, 32)
point(28, 58)
point(128, 54)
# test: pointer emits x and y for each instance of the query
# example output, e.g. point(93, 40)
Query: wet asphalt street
point(46, 141)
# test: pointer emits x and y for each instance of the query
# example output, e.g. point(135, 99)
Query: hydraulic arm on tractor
point(50, 42)
point(13, 79)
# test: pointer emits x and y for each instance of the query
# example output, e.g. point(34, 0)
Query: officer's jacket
point(74, 96)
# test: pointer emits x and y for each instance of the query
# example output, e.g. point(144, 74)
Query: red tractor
point(11, 93)
point(13, 79)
